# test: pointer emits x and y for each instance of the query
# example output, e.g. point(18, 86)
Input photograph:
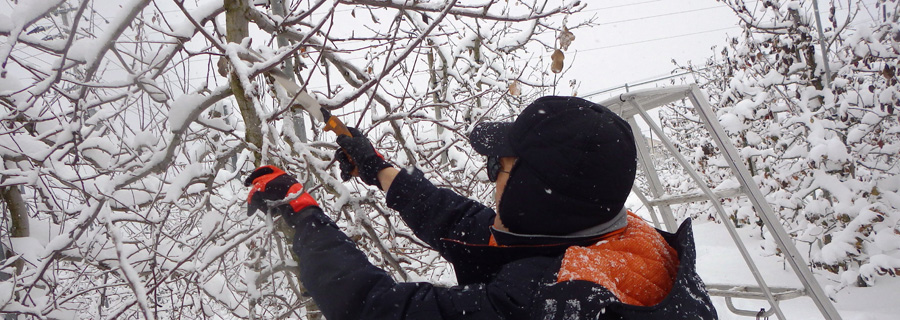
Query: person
point(560, 244)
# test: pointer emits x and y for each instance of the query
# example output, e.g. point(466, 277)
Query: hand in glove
point(269, 183)
point(362, 156)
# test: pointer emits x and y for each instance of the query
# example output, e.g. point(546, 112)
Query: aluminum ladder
point(635, 104)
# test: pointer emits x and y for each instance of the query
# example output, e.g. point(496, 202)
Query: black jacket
point(494, 282)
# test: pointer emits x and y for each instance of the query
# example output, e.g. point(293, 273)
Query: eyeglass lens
point(493, 168)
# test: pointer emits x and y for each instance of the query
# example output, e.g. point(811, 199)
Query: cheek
point(498, 191)
point(498, 224)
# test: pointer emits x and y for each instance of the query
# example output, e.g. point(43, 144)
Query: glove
point(357, 152)
point(269, 183)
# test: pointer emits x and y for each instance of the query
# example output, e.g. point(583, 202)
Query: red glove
point(268, 183)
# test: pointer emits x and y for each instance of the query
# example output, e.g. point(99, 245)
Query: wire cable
point(659, 39)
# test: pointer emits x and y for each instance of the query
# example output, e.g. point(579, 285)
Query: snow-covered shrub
point(823, 148)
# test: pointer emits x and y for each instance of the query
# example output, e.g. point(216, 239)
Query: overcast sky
point(636, 40)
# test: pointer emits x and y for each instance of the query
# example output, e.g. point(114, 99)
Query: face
point(506, 164)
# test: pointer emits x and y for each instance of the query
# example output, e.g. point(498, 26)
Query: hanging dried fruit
point(514, 89)
point(557, 65)
point(565, 38)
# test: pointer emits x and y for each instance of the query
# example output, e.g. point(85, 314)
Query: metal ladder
point(635, 104)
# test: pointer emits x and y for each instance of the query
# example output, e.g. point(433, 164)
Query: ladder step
point(750, 292)
point(693, 197)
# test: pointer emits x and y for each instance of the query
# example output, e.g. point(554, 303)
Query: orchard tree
point(815, 117)
point(127, 128)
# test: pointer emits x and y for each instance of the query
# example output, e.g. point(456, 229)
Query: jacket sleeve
point(436, 213)
point(345, 285)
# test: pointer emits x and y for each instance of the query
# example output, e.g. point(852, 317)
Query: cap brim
point(492, 139)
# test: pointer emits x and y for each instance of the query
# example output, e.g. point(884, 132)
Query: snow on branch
point(824, 153)
point(121, 133)
point(477, 11)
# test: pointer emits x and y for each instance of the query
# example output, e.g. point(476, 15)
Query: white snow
point(6, 24)
point(216, 288)
point(732, 123)
point(181, 181)
point(517, 39)
point(23, 13)
point(719, 262)
point(212, 220)
point(126, 268)
point(6, 291)
point(182, 109)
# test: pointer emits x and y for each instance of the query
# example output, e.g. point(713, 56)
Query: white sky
point(637, 40)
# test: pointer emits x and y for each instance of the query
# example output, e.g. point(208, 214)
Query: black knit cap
point(576, 165)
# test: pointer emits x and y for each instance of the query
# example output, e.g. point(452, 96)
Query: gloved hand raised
point(362, 156)
point(269, 183)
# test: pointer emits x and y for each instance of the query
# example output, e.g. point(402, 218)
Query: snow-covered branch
point(477, 11)
point(121, 134)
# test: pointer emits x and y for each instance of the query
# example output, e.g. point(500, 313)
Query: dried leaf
point(557, 65)
point(565, 38)
point(514, 89)
point(222, 66)
point(887, 72)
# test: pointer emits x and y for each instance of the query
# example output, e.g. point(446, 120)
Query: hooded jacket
point(494, 282)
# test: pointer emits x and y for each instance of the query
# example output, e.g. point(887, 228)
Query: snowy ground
point(720, 262)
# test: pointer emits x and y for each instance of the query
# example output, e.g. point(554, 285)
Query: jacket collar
point(507, 238)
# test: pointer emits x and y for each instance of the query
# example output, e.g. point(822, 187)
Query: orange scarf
point(636, 264)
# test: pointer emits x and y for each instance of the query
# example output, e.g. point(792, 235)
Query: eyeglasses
point(493, 168)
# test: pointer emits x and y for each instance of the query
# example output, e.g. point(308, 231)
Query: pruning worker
point(560, 245)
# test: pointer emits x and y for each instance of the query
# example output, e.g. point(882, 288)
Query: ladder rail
point(764, 210)
point(637, 192)
point(694, 197)
point(732, 230)
point(656, 188)
point(731, 292)
point(747, 292)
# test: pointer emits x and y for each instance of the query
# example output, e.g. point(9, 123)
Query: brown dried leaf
point(557, 65)
point(222, 66)
point(565, 38)
point(514, 89)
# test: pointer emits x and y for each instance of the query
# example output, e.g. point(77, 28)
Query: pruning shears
point(308, 103)
point(305, 101)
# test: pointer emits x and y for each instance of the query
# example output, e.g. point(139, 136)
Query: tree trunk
point(236, 25)
point(296, 115)
point(18, 213)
